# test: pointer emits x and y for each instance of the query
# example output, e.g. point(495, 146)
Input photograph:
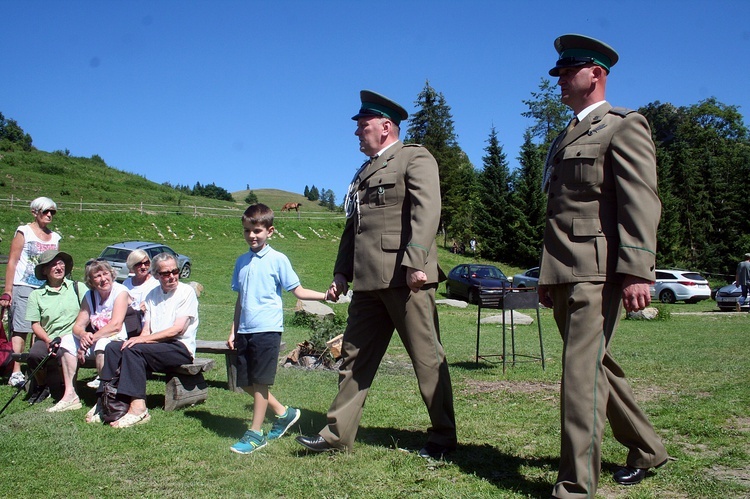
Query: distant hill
point(276, 199)
point(72, 180)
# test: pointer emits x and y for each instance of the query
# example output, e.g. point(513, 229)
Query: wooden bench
point(220, 347)
point(185, 384)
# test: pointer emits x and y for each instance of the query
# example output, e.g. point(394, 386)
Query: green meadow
point(689, 372)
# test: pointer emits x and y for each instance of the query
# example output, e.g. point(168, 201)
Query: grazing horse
point(291, 206)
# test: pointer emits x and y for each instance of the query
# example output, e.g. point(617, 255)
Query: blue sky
point(261, 93)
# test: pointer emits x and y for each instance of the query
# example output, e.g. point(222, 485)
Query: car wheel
point(473, 296)
point(667, 296)
point(185, 271)
point(521, 286)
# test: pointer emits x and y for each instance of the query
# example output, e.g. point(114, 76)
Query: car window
point(664, 275)
point(533, 273)
point(693, 276)
point(115, 254)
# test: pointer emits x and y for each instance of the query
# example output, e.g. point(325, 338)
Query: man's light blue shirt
point(259, 278)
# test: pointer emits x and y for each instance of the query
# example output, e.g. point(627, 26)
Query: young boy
point(259, 275)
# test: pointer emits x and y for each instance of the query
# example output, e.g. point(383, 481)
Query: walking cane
point(53, 346)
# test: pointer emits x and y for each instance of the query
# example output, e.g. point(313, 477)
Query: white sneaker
point(94, 383)
point(17, 379)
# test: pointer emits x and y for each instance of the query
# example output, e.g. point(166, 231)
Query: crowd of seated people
point(150, 316)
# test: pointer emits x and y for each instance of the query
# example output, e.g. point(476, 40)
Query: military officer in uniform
point(388, 252)
point(599, 254)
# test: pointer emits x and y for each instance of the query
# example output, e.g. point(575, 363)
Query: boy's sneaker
point(283, 423)
point(250, 441)
point(17, 379)
point(94, 383)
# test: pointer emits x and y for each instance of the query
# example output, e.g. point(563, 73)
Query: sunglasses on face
point(49, 212)
point(143, 263)
point(168, 273)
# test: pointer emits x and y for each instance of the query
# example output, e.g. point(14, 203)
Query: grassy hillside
point(69, 180)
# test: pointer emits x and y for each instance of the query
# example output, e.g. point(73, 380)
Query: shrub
point(664, 314)
point(323, 329)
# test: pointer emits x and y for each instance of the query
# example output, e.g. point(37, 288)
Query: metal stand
point(509, 299)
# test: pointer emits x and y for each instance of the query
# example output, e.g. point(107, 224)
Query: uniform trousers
point(373, 315)
point(594, 389)
point(135, 362)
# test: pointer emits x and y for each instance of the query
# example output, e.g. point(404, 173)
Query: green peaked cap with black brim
point(579, 50)
point(374, 104)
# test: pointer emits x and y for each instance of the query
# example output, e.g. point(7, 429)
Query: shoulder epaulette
point(411, 144)
point(621, 111)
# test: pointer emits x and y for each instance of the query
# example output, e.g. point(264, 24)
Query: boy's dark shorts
point(257, 357)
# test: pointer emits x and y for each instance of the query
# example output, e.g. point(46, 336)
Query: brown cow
point(291, 206)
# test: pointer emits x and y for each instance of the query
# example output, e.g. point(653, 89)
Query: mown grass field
point(690, 374)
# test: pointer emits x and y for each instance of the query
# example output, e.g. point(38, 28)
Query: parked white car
point(680, 285)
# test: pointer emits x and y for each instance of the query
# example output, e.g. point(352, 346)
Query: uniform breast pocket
point(580, 166)
point(381, 191)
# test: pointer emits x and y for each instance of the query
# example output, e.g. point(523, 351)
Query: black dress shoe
point(315, 443)
point(630, 475)
point(431, 450)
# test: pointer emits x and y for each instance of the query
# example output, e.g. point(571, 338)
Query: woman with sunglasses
point(141, 282)
point(29, 242)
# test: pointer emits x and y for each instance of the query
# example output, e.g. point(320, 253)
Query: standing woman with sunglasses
point(29, 242)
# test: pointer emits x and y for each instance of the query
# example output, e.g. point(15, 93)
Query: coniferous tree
point(432, 126)
point(531, 202)
point(550, 117)
point(495, 213)
point(251, 198)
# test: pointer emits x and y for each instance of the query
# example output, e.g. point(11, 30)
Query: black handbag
point(133, 321)
point(113, 406)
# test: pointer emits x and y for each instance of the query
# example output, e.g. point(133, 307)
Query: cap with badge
point(374, 104)
point(579, 50)
point(48, 257)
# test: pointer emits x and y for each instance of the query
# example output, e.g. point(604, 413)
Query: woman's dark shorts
point(257, 357)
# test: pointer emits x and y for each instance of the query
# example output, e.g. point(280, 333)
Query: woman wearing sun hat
point(52, 310)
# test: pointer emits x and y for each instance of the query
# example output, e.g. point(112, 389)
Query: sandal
point(66, 405)
point(129, 420)
point(93, 416)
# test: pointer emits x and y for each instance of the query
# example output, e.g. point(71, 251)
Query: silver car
point(117, 255)
point(728, 296)
point(529, 279)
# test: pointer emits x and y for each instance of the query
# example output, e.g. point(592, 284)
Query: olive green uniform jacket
point(395, 226)
point(602, 208)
